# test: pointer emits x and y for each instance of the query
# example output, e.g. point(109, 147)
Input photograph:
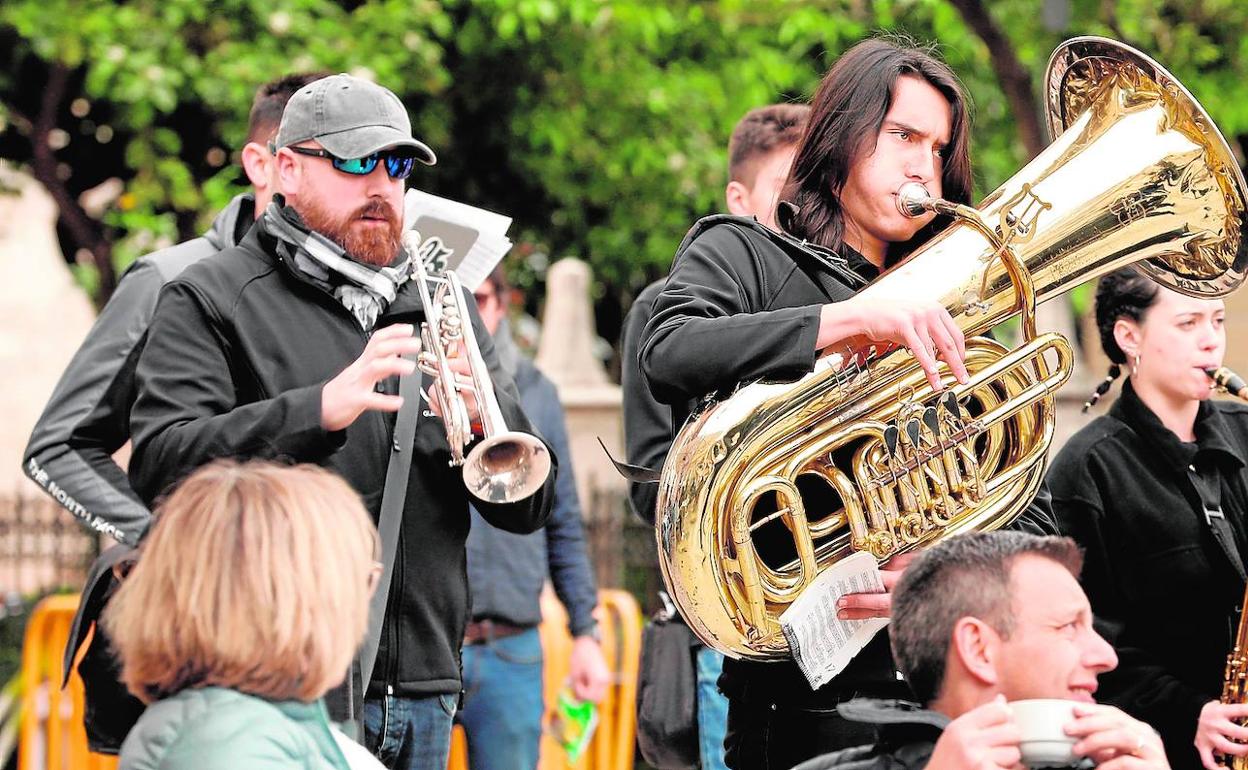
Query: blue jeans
point(503, 702)
point(410, 733)
point(712, 710)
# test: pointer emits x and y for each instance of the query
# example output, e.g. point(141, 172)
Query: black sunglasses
point(399, 162)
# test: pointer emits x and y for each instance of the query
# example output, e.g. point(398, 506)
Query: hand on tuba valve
point(502, 466)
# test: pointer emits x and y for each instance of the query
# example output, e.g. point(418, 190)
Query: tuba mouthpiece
point(913, 200)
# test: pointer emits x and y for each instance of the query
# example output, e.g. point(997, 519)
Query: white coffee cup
point(1042, 722)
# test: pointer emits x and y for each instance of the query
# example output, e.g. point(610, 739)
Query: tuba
point(764, 490)
point(504, 465)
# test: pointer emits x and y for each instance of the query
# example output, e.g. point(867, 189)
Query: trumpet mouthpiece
point(913, 200)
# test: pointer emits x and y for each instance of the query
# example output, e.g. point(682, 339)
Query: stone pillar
point(591, 401)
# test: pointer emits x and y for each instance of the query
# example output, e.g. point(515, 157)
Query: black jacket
point(1163, 591)
point(647, 423)
point(907, 737)
point(233, 366)
point(741, 303)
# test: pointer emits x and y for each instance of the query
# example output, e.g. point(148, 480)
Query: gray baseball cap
point(350, 117)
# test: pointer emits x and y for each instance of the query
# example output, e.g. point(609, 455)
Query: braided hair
point(1124, 293)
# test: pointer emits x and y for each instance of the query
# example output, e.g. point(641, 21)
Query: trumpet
point(1228, 382)
point(505, 465)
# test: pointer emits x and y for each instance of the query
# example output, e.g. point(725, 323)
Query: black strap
point(1208, 483)
point(393, 497)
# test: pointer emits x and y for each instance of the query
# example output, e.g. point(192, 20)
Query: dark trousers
point(769, 736)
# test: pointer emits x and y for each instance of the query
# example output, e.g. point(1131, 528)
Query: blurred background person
point(246, 607)
point(760, 152)
point(1156, 492)
point(87, 418)
point(502, 654)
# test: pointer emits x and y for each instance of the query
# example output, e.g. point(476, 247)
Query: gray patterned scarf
point(364, 290)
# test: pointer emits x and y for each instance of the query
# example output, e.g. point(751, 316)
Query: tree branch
point(1013, 76)
point(85, 232)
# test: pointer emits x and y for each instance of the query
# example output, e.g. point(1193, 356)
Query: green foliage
point(599, 125)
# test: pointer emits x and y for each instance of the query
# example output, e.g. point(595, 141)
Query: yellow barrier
point(611, 748)
point(52, 736)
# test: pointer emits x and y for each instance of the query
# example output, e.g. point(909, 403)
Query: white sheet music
point(822, 644)
point(456, 236)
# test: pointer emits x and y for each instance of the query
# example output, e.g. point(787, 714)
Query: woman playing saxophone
point(1156, 492)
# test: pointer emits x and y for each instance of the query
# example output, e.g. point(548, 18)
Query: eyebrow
point(911, 129)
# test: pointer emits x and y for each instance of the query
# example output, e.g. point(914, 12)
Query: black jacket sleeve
point(70, 452)
point(187, 413)
point(648, 425)
point(1037, 518)
point(531, 513)
point(712, 329)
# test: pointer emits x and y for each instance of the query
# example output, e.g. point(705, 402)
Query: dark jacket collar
point(1213, 436)
point(899, 721)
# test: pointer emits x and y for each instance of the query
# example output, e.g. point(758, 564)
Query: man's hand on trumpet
point(458, 363)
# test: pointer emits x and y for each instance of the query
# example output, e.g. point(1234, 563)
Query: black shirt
point(1163, 591)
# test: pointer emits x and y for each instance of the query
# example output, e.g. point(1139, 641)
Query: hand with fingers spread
point(984, 738)
point(863, 606)
point(1219, 732)
point(354, 390)
point(925, 327)
point(1114, 740)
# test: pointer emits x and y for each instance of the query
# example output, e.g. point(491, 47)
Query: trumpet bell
point(507, 467)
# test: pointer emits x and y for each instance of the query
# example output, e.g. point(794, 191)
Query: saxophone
point(763, 491)
point(1235, 683)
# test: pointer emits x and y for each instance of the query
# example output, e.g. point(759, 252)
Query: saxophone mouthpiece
point(913, 200)
point(1229, 381)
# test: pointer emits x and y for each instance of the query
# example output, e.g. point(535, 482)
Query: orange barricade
point(52, 736)
point(611, 748)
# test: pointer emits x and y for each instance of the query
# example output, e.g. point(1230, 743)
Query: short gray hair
point(966, 575)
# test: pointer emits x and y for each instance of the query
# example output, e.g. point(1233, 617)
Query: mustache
point(377, 209)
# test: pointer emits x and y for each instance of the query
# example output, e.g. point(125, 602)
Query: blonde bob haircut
point(255, 577)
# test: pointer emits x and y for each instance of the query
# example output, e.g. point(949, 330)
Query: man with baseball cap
point(291, 345)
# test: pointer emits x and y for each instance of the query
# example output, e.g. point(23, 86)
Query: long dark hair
point(847, 112)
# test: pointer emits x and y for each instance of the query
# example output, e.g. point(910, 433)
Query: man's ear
point(1127, 335)
point(289, 173)
point(256, 160)
point(976, 650)
point(737, 197)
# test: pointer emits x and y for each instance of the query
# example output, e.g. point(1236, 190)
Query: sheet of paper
point(822, 644)
point(456, 236)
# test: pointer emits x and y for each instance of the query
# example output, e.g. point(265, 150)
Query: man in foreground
point(981, 620)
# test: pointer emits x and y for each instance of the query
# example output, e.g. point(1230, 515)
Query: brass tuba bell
point(764, 490)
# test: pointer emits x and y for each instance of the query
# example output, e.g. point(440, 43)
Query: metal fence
point(42, 548)
point(622, 547)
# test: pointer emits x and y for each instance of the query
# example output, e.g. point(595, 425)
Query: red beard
point(372, 245)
